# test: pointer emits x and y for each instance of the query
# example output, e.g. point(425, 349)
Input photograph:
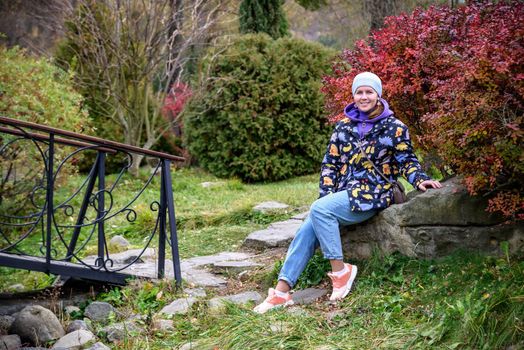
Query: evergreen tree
point(263, 16)
point(311, 5)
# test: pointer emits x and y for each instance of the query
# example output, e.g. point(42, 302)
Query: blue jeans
point(321, 228)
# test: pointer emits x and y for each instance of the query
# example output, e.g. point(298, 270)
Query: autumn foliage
point(456, 77)
point(174, 104)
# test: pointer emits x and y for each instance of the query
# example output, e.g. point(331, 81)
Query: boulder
point(433, 224)
point(10, 342)
point(75, 340)
point(77, 325)
point(5, 323)
point(99, 311)
point(37, 325)
point(118, 243)
point(120, 331)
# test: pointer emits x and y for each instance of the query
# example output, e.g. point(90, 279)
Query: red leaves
point(175, 101)
point(456, 77)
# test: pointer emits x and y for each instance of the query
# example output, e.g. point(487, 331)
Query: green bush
point(259, 114)
point(35, 90)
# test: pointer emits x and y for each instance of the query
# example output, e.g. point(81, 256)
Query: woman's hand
point(424, 185)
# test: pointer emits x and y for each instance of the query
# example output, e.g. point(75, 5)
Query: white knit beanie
point(367, 79)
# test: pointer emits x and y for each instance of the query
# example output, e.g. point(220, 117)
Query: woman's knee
point(315, 209)
point(319, 209)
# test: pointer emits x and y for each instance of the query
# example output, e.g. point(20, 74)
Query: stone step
point(278, 234)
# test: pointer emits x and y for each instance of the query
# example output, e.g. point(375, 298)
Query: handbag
point(398, 190)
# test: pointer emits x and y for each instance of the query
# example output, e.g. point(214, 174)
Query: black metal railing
point(50, 227)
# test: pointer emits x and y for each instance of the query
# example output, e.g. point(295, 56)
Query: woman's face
point(365, 98)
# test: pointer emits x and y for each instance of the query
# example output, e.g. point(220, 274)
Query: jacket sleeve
point(409, 166)
point(330, 169)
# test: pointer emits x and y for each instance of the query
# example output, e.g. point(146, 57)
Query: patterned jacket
point(344, 167)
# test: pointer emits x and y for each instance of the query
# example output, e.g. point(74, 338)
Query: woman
point(351, 188)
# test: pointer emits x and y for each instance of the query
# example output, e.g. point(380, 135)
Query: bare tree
point(130, 53)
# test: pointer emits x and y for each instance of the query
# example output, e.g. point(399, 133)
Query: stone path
point(212, 271)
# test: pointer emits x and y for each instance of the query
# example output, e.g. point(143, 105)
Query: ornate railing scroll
point(48, 225)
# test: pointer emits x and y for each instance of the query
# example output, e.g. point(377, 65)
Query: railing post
point(162, 224)
point(168, 192)
point(101, 206)
point(83, 209)
point(49, 199)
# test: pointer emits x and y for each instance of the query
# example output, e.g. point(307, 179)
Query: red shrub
point(456, 77)
point(174, 103)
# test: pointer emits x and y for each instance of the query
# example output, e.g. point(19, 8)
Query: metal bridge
point(48, 227)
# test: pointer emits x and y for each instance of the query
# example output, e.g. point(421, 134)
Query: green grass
point(463, 301)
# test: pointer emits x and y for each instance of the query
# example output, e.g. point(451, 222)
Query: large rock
point(10, 342)
point(433, 224)
point(77, 325)
point(75, 340)
point(99, 311)
point(5, 323)
point(37, 325)
point(120, 331)
point(118, 243)
point(179, 306)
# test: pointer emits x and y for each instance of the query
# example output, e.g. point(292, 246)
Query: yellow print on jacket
point(355, 159)
point(402, 146)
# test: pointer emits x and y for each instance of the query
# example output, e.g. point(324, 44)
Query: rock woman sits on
point(351, 188)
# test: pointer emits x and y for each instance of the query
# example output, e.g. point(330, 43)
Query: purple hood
point(362, 119)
